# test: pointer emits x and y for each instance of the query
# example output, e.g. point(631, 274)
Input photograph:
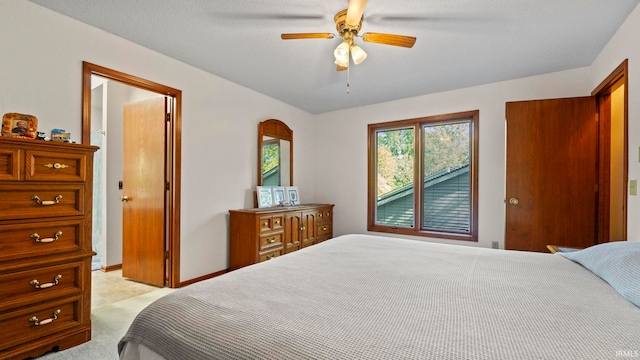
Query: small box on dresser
point(45, 246)
point(257, 235)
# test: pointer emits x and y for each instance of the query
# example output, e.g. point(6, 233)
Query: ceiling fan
point(348, 23)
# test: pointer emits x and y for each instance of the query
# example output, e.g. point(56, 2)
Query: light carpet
point(108, 324)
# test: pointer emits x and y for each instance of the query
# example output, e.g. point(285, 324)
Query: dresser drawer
point(41, 201)
point(26, 287)
point(324, 231)
point(264, 256)
point(55, 316)
point(270, 223)
point(270, 241)
point(29, 240)
point(59, 166)
point(9, 164)
point(324, 215)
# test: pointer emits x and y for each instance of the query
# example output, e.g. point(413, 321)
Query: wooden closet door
point(551, 173)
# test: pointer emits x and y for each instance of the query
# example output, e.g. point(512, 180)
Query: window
point(438, 152)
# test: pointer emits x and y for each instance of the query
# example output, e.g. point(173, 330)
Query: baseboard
point(204, 277)
point(111, 268)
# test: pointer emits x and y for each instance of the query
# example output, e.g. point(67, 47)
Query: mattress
point(371, 297)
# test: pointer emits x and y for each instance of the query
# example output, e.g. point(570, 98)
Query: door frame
point(619, 76)
point(173, 148)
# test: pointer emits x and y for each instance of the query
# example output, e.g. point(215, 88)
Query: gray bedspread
point(369, 297)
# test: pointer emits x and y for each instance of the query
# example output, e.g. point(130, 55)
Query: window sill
point(424, 233)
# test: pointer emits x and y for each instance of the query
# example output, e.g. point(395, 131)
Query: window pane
point(394, 177)
point(446, 178)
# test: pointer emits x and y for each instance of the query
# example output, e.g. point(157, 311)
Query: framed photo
point(265, 197)
point(19, 125)
point(292, 195)
point(279, 195)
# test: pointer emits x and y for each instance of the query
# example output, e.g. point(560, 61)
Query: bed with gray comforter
point(370, 297)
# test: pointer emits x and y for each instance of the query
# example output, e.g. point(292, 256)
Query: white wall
point(343, 154)
point(41, 66)
point(624, 45)
point(116, 96)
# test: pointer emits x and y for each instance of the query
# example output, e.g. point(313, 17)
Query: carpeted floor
point(108, 324)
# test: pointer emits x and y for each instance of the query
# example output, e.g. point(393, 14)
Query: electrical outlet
point(495, 245)
point(633, 187)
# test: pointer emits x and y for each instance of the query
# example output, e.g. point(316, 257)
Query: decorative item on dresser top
point(45, 246)
point(262, 234)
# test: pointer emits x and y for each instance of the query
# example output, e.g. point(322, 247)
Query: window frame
point(417, 124)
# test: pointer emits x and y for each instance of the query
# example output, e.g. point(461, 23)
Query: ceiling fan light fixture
point(342, 62)
point(357, 54)
point(341, 53)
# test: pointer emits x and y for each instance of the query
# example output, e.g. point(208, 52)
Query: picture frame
point(19, 125)
point(293, 197)
point(265, 196)
point(279, 195)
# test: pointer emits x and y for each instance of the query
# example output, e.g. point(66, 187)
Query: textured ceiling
point(460, 43)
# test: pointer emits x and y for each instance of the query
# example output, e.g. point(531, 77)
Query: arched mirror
point(275, 154)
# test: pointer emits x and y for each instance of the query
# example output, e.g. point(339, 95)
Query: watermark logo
point(627, 354)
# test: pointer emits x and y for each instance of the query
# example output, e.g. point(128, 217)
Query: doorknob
point(124, 198)
point(513, 201)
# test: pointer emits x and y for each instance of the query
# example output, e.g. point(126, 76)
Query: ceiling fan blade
point(341, 68)
point(354, 11)
point(389, 39)
point(307, 36)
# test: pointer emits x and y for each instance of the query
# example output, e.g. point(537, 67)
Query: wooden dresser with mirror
point(45, 246)
point(261, 234)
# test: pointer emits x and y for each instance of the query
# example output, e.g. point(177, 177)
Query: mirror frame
point(279, 130)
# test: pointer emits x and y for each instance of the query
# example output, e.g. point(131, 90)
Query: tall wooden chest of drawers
point(45, 246)
point(257, 235)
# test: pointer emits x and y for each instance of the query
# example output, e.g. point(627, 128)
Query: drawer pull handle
point(324, 228)
point(265, 224)
point(272, 240)
point(303, 228)
point(56, 166)
point(36, 198)
point(46, 240)
point(35, 321)
point(36, 284)
point(271, 257)
point(277, 222)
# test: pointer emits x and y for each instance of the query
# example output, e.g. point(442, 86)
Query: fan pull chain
point(348, 69)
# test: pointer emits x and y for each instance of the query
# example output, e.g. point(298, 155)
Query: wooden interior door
point(144, 185)
point(551, 192)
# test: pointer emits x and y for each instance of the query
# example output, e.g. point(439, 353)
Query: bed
point(371, 297)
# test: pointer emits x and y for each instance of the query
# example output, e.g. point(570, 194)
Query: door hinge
point(167, 117)
point(168, 186)
point(166, 255)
